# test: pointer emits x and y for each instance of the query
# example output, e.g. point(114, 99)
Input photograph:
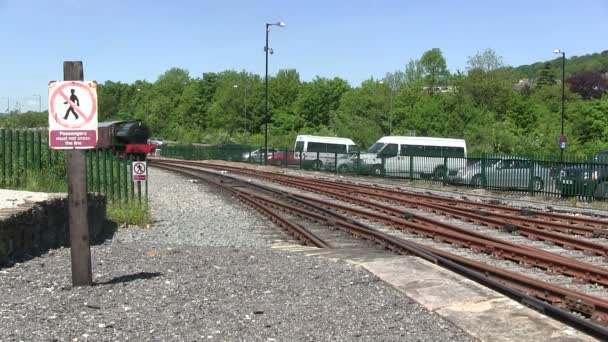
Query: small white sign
point(139, 170)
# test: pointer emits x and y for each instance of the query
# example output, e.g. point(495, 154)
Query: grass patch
point(44, 182)
point(129, 214)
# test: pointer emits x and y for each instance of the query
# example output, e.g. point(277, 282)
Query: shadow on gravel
point(131, 277)
point(41, 246)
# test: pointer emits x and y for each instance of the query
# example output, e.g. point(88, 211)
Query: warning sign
point(139, 169)
point(72, 115)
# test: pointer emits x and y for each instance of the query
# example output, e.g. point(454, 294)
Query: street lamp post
point(562, 143)
point(39, 102)
point(266, 49)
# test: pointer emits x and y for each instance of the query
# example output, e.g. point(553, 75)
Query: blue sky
point(354, 39)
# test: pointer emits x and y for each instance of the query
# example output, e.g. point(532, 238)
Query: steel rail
point(526, 214)
point(464, 238)
point(298, 231)
point(521, 288)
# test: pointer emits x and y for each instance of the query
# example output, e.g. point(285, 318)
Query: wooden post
point(77, 199)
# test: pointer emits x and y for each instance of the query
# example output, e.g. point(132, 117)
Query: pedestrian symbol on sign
point(139, 172)
point(73, 100)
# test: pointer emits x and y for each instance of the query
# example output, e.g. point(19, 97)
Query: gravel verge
point(196, 214)
point(204, 272)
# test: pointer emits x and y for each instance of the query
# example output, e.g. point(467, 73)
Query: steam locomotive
point(130, 137)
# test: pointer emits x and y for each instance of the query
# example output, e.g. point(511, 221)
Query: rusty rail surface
point(438, 230)
point(295, 229)
point(520, 287)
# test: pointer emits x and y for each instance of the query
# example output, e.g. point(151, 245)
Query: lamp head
point(557, 51)
point(280, 23)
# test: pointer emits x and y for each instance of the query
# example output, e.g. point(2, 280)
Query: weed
point(129, 214)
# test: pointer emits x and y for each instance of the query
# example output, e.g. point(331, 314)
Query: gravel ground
point(205, 272)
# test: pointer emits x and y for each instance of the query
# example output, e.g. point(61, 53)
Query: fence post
point(25, 153)
point(483, 172)
point(531, 189)
point(97, 171)
point(104, 172)
point(126, 178)
point(358, 163)
point(411, 168)
point(48, 151)
point(111, 185)
point(18, 155)
point(39, 165)
point(139, 184)
point(3, 151)
point(383, 166)
point(336, 162)
point(10, 156)
point(131, 178)
point(118, 177)
point(33, 150)
point(444, 177)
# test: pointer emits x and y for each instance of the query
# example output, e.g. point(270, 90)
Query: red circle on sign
point(57, 92)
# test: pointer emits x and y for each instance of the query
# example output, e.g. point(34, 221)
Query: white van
point(414, 156)
point(317, 151)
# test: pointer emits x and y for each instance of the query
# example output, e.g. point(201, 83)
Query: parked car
point(279, 158)
point(588, 179)
point(317, 150)
point(156, 141)
point(346, 163)
point(256, 155)
point(508, 173)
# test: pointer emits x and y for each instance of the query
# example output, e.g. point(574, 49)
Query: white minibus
point(414, 156)
point(317, 151)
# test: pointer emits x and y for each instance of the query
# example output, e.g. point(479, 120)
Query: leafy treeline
point(487, 104)
point(596, 62)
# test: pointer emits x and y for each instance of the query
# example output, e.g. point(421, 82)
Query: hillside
point(574, 65)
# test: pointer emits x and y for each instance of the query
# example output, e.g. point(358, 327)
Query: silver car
point(256, 155)
point(510, 173)
point(346, 163)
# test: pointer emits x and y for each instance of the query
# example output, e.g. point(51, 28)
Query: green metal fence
point(25, 158)
point(581, 178)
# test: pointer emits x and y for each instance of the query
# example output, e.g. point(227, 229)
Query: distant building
point(523, 85)
point(440, 89)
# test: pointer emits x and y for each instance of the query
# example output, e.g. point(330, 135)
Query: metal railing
point(580, 178)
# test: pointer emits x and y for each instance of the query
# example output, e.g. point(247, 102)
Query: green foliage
point(25, 120)
point(486, 105)
point(130, 214)
point(435, 67)
point(574, 65)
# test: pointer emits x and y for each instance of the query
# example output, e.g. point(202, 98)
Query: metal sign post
point(74, 112)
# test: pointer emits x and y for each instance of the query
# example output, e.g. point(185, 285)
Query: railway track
point(329, 213)
point(457, 235)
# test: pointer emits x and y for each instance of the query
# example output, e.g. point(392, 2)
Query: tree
point(318, 98)
point(435, 67)
point(589, 85)
point(487, 60)
point(414, 71)
point(284, 89)
point(547, 76)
